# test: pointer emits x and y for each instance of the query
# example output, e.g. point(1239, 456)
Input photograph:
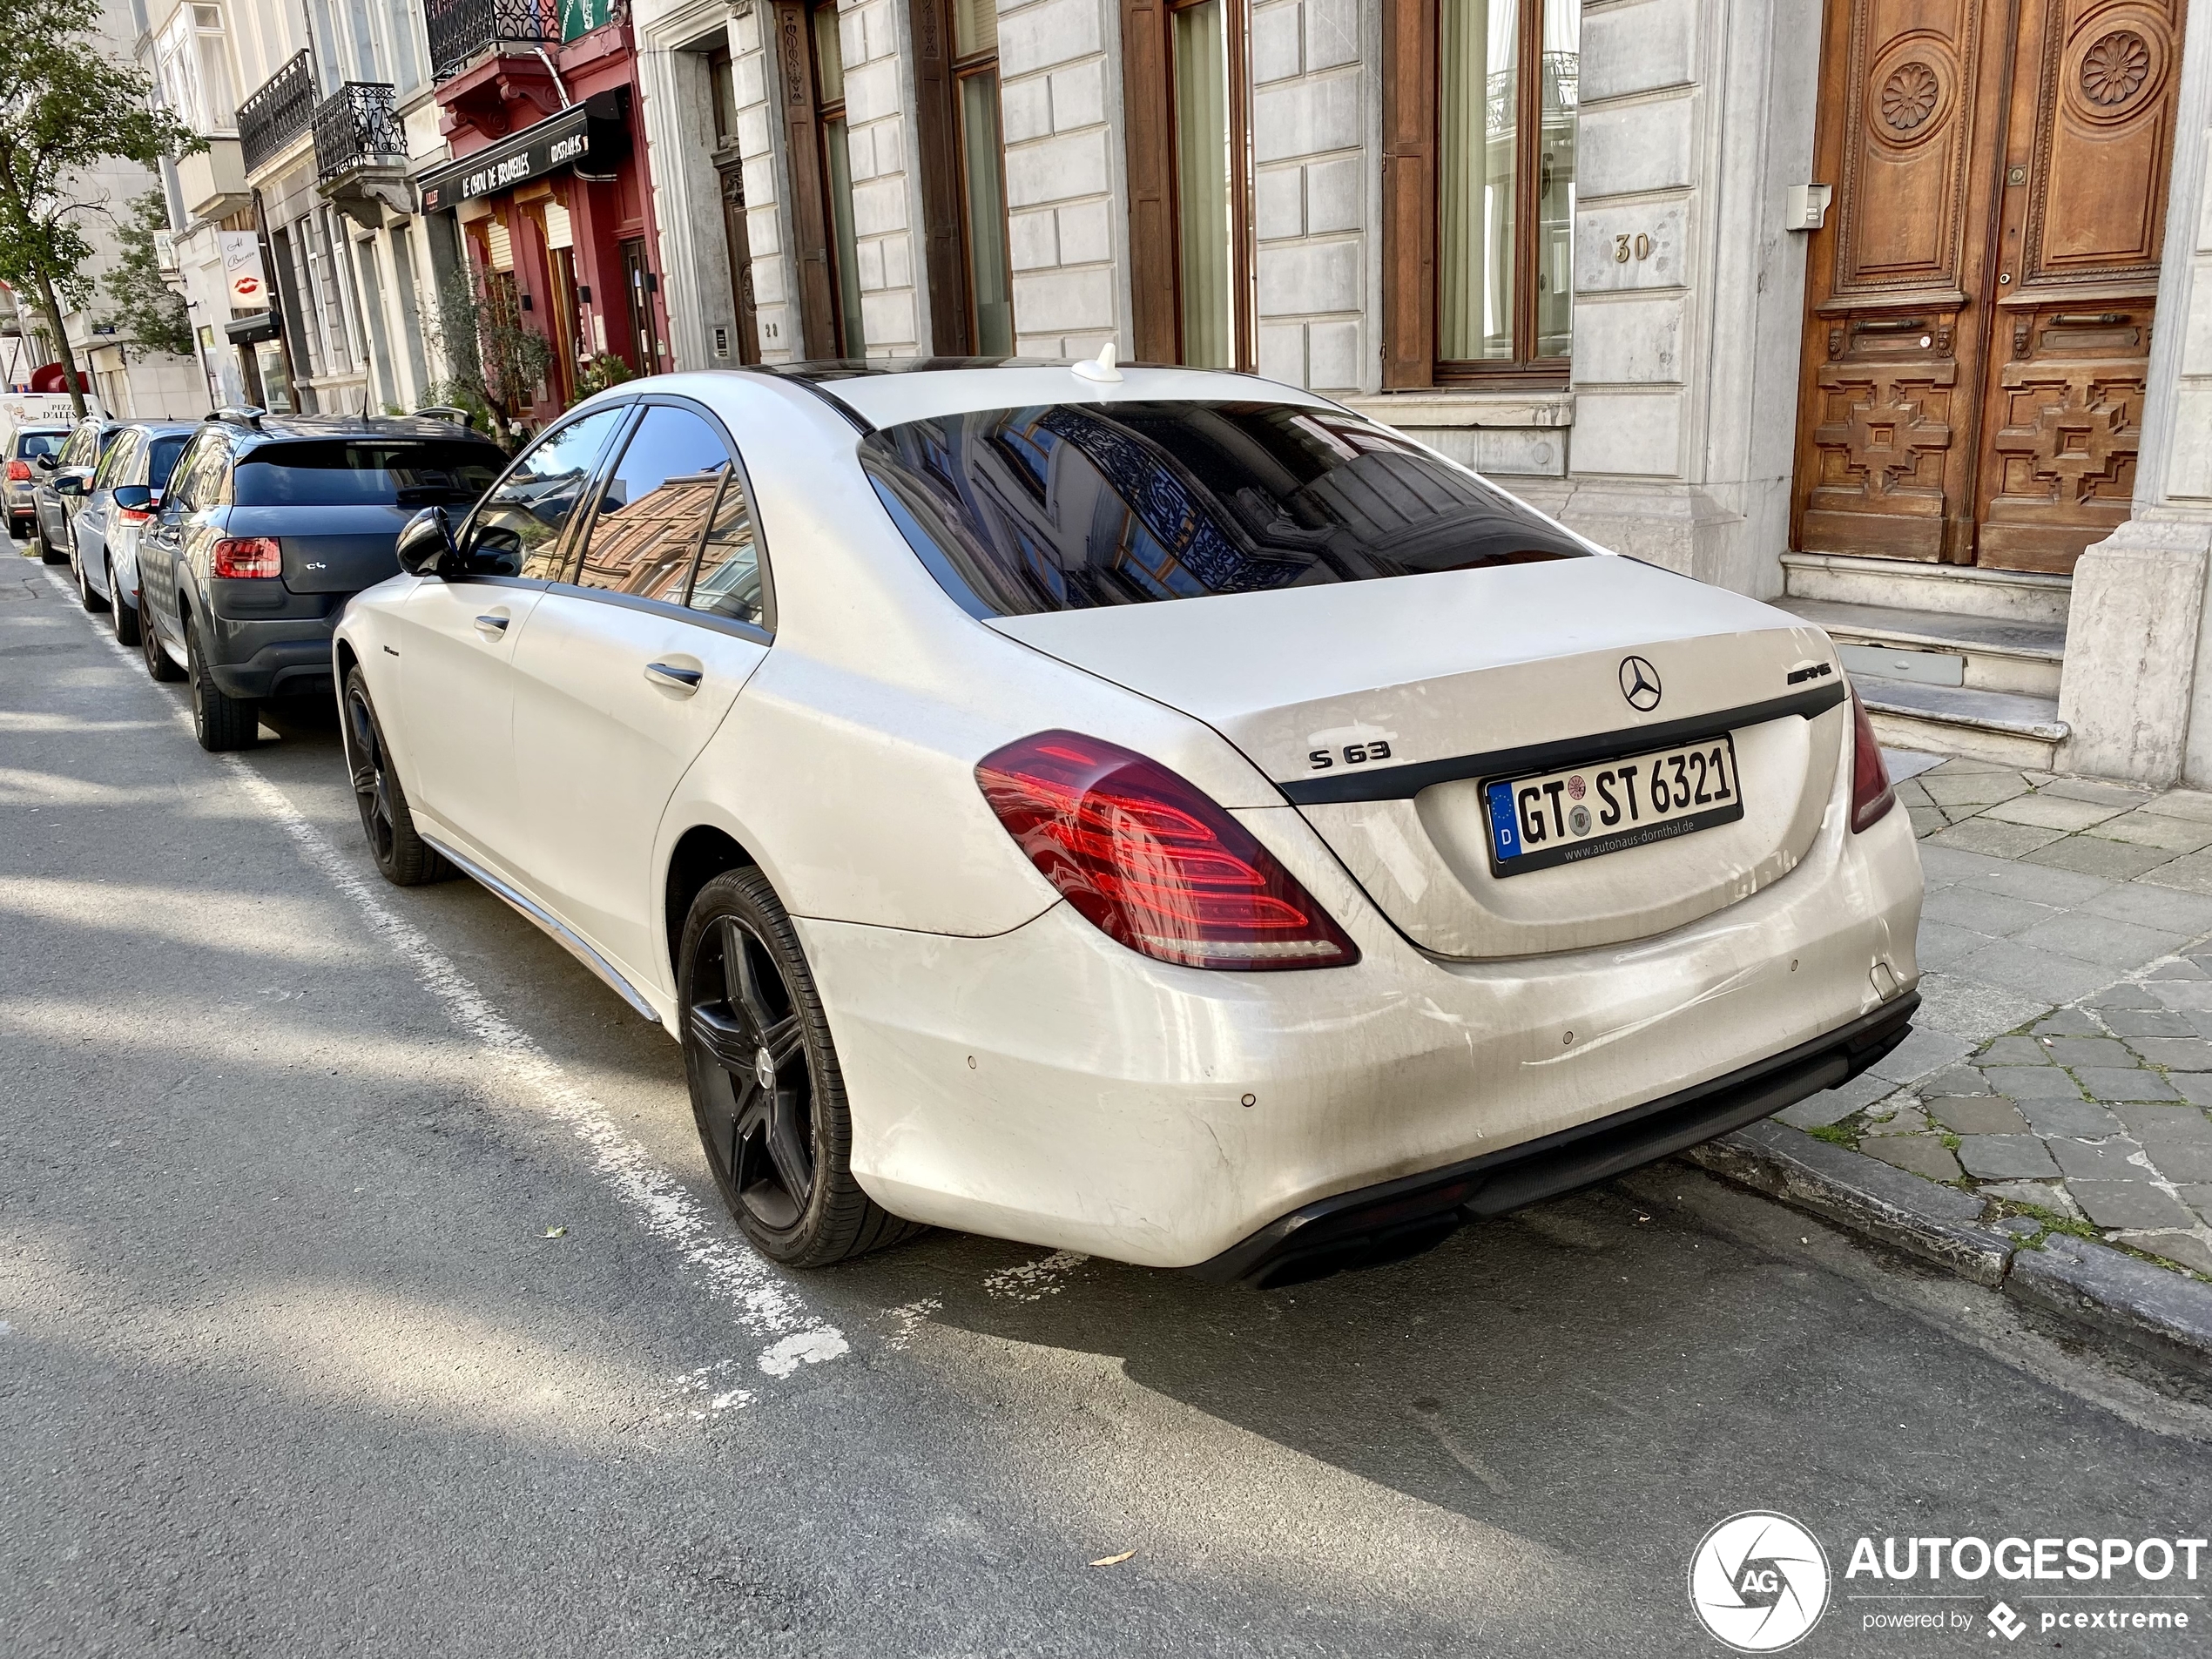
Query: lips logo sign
point(1639, 683)
point(1758, 1581)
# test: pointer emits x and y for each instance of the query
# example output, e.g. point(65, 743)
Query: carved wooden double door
point(1979, 304)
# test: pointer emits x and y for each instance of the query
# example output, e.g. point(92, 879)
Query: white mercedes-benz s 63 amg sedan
point(1153, 812)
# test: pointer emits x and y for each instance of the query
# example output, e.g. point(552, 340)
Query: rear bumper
point(1048, 1086)
point(285, 656)
point(1396, 1219)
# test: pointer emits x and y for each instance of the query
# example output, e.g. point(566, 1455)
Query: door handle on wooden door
point(685, 680)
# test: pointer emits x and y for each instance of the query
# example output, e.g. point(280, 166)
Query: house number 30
point(1625, 247)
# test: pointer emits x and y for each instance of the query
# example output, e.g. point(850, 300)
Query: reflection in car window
point(1063, 507)
point(31, 445)
point(655, 506)
point(728, 581)
point(201, 485)
point(116, 462)
point(518, 530)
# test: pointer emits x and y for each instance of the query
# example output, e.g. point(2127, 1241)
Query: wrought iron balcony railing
point(356, 129)
point(462, 31)
point(279, 111)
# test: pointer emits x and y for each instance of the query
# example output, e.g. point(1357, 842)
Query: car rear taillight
point(19, 472)
point(1152, 862)
point(250, 556)
point(1870, 794)
point(134, 515)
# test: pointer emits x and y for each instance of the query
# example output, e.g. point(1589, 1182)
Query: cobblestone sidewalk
point(2062, 1067)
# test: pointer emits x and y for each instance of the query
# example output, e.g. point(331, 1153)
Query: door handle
point(493, 625)
point(676, 679)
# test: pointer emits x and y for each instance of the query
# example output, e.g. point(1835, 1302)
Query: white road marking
point(766, 1303)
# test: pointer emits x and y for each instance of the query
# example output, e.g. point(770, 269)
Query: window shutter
point(559, 232)
point(1409, 192)
point(499, 245)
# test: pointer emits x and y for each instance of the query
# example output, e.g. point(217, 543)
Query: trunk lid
point(1383, 708)
point(329, 549)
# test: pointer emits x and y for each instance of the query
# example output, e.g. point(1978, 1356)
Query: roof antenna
point(1100, 368)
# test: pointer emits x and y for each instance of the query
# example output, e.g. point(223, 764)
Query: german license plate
point(1562, 817)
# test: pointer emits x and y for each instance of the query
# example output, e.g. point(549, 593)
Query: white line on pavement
point(765, 1300)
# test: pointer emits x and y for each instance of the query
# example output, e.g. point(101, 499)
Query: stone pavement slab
point(2005, 1157)
point(2129, 1204)
point(1978, 1114)
point(2124, 1082)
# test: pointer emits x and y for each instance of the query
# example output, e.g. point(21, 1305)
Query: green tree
point(149, 313)
point(65, 110)
point(498, 363)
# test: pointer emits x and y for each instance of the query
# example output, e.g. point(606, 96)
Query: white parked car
point(1156, 812)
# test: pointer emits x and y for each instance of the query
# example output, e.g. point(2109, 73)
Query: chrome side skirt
point(574, 945)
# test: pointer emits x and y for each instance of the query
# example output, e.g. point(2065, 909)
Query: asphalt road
point(364, 1293)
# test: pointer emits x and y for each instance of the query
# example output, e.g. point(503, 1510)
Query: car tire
point(403, 858)
point(121, 611)
point(46, 552)
point(160, 665)
point(219, 721)
point(85, 596)
point(780, 1151)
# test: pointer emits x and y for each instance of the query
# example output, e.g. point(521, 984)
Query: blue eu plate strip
point(1505, 823)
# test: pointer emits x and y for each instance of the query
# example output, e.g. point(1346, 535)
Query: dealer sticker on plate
point(1563, 816)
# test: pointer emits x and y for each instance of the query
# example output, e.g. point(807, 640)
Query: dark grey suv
point(269, 525)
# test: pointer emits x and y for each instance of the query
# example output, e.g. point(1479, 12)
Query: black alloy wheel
point(219, 720)
point(765, 1086)
point(159, 665)
point(402, 856)
point(121, 611)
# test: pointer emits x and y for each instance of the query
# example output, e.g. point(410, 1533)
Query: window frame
point(623, 408)
point(1412, 205)
point(946, 162)
point(1152, 151)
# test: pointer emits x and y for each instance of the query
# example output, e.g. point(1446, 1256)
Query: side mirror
point(133, 498)
point(72, 481)
point(426, 544)
point(45, 463)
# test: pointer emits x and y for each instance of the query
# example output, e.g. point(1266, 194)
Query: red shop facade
point(552, 205)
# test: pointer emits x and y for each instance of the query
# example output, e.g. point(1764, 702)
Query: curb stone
point(1938, 1224)
point(2090, 1286)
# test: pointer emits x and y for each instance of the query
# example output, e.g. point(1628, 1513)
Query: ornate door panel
point(2091, 140)
point(1978, 306)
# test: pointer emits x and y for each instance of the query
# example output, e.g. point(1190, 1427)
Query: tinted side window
point(728, 581)
point(193, 474)
point(361, 472)
point(164, 452)
point(516, 530)
point(77, 452)
point(116, 463)
point(655, 506)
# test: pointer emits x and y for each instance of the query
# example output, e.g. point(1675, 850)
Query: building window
point(1189, 168)
point(963, 177)
point(192, 65)
point(1479, 118)
point(836, 170)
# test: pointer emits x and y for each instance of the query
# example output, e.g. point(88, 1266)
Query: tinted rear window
point(166, 451)
point(352, 472)
point(1064, 507)
point(31, 445)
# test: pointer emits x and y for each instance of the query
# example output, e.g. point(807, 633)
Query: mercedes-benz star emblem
point(1639, 683)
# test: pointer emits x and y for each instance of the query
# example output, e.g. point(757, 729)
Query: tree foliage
point(498, 361)
point(65, 109)
point(148, 314)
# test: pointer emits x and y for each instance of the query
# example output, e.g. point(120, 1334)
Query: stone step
point(2004, 726)
point(1952, 590)
point(1941, 648)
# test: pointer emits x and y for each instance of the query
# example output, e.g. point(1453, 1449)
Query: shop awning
point(592, 135)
